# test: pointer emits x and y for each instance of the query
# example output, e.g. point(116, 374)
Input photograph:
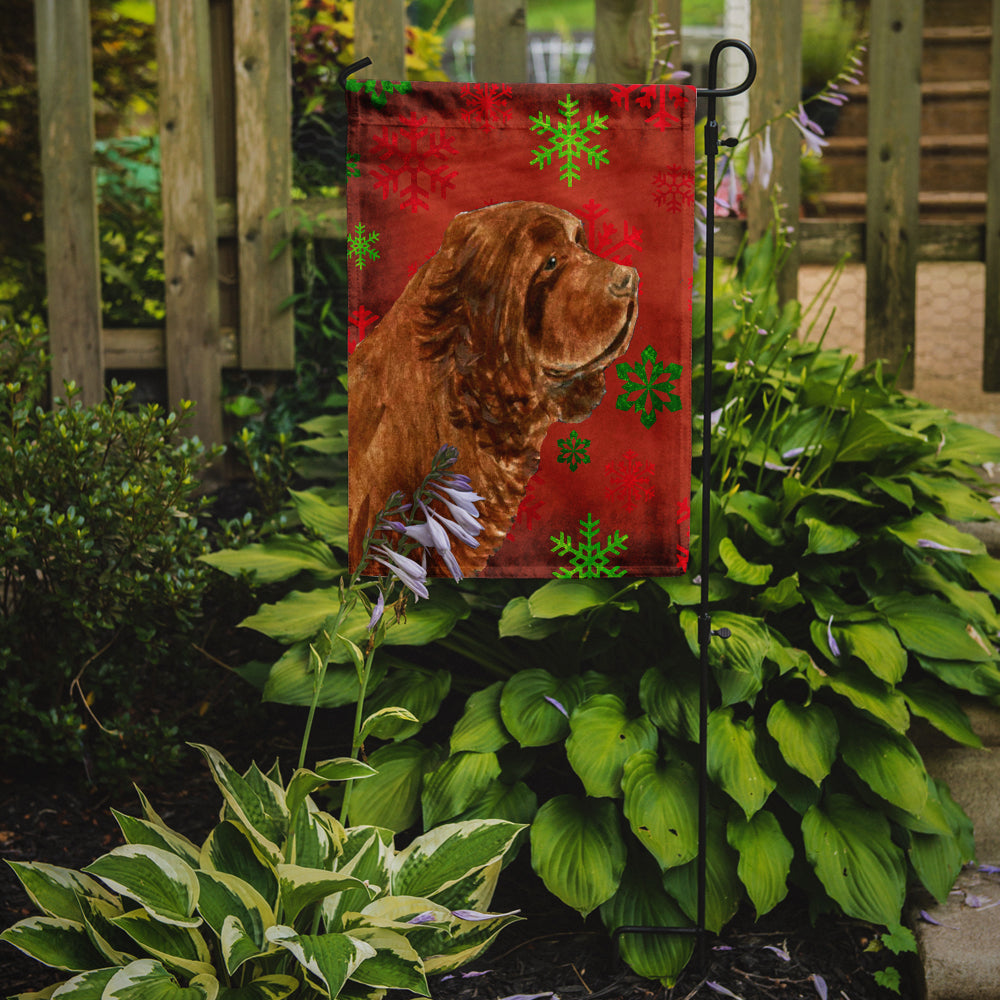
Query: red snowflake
point(360, 319)
point(673, 188)
point(606, 241)
point(650, 94)
point(486, 103)
point(630, 480)
point(527, 512)
point(412, 162)
point(683, 555)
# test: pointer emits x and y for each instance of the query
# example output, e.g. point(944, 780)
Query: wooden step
point(940, 13)
point(946, 105)
point(957, 206)
point(956, 53)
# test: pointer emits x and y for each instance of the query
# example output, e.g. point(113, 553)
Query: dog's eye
point(551, 264)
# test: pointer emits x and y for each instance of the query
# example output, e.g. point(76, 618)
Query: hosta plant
point(279, 900)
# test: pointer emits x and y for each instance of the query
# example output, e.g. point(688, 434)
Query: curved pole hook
point(348, 70)
point(713, 69)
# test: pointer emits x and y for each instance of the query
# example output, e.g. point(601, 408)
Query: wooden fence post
point(380, 34)
point(501, 41)
point(262, 61)
point(72, 255)
point(190, 252)
point(991, 331)
point(892, 215)
point(776, 35)
point(621, 40)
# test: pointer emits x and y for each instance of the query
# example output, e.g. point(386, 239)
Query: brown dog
point(508, 328)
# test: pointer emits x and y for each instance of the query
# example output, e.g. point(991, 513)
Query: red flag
point(520, 272)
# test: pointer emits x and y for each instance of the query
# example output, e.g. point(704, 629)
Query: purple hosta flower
point(558, 705)
point(811, 132)
point(820, 983)
point(727, 198)
point(990, 869)
point(834, 648)
point(427, 917)
point(927, 543)
point(377, 611)
point(760, 166)
point(719, 988)
point(780, 952)
point(475, 915)
point(412, 575)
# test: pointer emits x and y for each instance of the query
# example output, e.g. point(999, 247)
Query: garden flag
point(520, 275)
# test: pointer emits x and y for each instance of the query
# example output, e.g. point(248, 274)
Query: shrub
point(99, 539)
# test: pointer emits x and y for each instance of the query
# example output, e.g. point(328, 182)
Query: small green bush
point(99, 578)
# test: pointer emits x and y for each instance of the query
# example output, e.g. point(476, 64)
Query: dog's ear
point(575, 401)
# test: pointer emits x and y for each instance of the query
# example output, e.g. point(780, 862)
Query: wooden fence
point(226, 161)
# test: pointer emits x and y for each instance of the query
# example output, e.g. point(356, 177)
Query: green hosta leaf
point(301, 887)
point(274, 987)
point(928, 528)
point(986, 572)
point(850, 847)
point(870, 436)
point(515, 803)
point(279, 558)
point(937, 859)
point(517, 620)
point(888, 763)
point(147, 979)
point(456, 784)
point(292, 680)
point(481, 728)
point(807, 736)
point(415, 689)
point(865, 692)
point(641, 901)
point(180, 948)
point(141, 831)
point(828, 539)
point(260, 809)
point(723, 889)
point(732, 760)
point(758, 511)
point(965, 443)
point(783, 595)
point(893, 488)
point(975, 605)
point(602, 738)
point(438, 859)
point(391, 798)
point(684, 593)
point(661, 799)
point(230, 849)
point(325, 519)
point(304, 782)
point(765, 858)
point(738, 661)
point(931, 628)
point(386, 723)
point(395, 964)
point(941, 709)
point(528, 714)
point(956, 500)
point(159, 881)
point(330, 959)
point(876, 646)
point(671, 699)
point(578, 851)
point(226, 898)
point(738, 569)
point(56, 891)
point(976, 678)
point(54, 941)
point(559, 598)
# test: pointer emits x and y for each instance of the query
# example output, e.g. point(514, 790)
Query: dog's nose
point(624, 281)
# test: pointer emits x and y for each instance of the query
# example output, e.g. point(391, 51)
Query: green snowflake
point(636, 379)
point(569, 141)
point(590, 558)
point(573, 450)
point(353, 165)
point(378, 91)
point(361, 245)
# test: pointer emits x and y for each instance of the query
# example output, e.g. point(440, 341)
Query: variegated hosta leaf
point(329, 959)
point(661, 799)
point(466, 941)
point(441, 857)
point(177, 947)
point(476, 890)
point(807, 736)
point(642, 902)
point(225, 897)
point(147, 979)
point(456, 784)
point(54, 941)
point(367, 853)
point(315, 838)
point(535, 706)
point(765, 858)
point(732, 760)
point(230, 849)
point(273, 987)
point(141, 831)
point(395, 964)
point(602, 737)
point(256, 801)
point(86, 986)
point(158, 880)
point(850, 847)
point(300, 887)
point(56, 891)
point(888, 763)
point(481, 727)
point(391, 799)
point(304, 782)
point(578, 851)
point(98, 915)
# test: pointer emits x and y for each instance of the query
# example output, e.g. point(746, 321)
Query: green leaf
point(56, 891)
point(738, 569)
point(760, 512)
point(274, 987)
point(828, 539)
point(517, 620)
point(765, 858)
point(456, 785)
point(738, 662)
point(732, 760)
point(937, 859)
point(417, 690)
point(888, 763)
point(163, 884)
point(301, 887)
point(640, 901)
point(876, 646)
point(986, 571)
point(850, 848)
point(965, 443)
point(927, 527)
point(578, 851)
point(395, 964)
point(54, 941)
point(325, 519)
point(279, 558)
point(292, 679)
point(866, 692)
point(559, 598)
point(147, 979)
point(870, 436)
point(783, 595)
point(976, 678)
point(671, 699)
point(529, 716)
point(941, 709)
point(304, 782)
point(330, 959)
point(601, 739)
point(931, 628)
point(956, 500)
point(807, 736)
point(661, 799)
point(516, 803)
point(481, 727)
point(391, 798)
